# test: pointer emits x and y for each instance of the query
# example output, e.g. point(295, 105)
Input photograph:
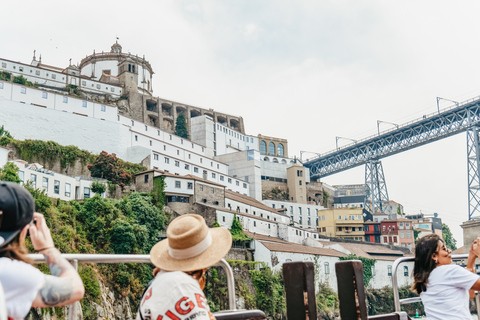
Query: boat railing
point(396, 296)
point(75, 259)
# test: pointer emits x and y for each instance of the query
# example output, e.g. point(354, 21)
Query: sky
point(305, 71)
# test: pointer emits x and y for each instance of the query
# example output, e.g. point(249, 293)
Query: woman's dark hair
point(15, 251)
point(424, 264)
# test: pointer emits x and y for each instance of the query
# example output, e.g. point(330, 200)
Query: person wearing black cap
point(24, 285)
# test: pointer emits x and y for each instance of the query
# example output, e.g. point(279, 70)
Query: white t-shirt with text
point(446, 296)
point(21, 283)
point(174, 296)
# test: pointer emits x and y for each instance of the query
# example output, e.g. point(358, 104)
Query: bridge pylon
point(376, 194)
point(473, 166)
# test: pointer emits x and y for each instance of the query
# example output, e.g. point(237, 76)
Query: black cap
point(16, 210)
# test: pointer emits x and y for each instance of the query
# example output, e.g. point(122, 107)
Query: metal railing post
point(72, 308)
point(230, 284)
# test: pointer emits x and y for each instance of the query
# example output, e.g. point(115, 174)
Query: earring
point(436, 261)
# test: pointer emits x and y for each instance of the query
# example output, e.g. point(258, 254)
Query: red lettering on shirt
point(160, 318)
point(188, 304)
point(172, 316)
point(200, 300)
point(147, 296)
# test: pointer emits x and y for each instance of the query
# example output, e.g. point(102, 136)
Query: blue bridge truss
point(464, 116)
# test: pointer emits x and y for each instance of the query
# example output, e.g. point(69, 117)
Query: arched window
point(284, 161)
point(266, 159)
point(263, 147)
point(327, 268)
point(280, 150)
point(275, 160)
point(271, 149)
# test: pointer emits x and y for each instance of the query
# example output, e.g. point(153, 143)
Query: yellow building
point(341, 223)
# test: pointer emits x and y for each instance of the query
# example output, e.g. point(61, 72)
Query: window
point(33, 178)
point(178, 199)
point(146, 178)
point(84, 104)
point(177, 163)
point(346, 217)
point(21, 175)
point(222, 178)
point(167, 160)
point(112, 89)
point(229, 180)
point(178, 184)
point(68, 189)
point(86, 192)
point(195, 169)
point(323, 217)
point(189, 185)
point(102, 108)
point(245, 186)
point(23, 90)
point(280, 150)
point(213, 175)
point(4, 65)
point(271, 148)
point(65, 99)
point(402, 234)
point(405, 271)
point(201, 188)
point(299, 173)
point(1, 85)
point(263, 147)
point(155, 156)
point(394, 238)
point(84, 83)
point(54, 76)
point(339, 218)
point(44, 95)
point(45, 183)
point(56, 187)
point(212, 190)
point(237, 183)
point(136, 138)
point(98, 86)
point(300, 182)
point(389, 271)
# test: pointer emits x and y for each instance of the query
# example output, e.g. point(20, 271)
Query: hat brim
point(7, 236)
point(221, 244)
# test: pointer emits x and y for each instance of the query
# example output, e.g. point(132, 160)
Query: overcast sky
point(306, 71)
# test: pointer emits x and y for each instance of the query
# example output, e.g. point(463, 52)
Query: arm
point(472, 256)
point(64, 286)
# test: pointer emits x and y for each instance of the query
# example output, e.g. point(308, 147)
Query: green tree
point(181, 126)
point(4, 133)
point(415, 234)
point(109, 167)
point(237, 231)
point(325, 197)
point(367, 266)
point(450, 242)
point(9, 172)
point(98, 187)
point(399, 212)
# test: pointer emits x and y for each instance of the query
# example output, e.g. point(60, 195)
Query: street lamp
point(380, 121)
point(438, 99)
point(338, 138)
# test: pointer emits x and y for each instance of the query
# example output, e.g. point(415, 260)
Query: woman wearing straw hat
point(181, 261)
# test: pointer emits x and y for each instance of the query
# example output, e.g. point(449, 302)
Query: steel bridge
point(460, 117)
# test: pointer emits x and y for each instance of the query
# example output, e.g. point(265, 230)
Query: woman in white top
point(181, 261)
point(444, 288)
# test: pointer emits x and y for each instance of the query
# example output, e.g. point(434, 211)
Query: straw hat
point(190, 245)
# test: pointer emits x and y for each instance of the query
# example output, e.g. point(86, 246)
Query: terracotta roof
point(372, 251)
point(249, 200)
point(262, 237)
point(459, 250)
point(298, 248)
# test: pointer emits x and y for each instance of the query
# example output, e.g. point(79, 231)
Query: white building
point(306, 215)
